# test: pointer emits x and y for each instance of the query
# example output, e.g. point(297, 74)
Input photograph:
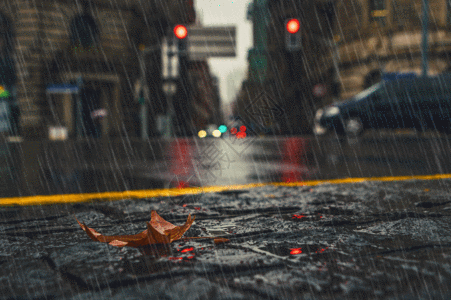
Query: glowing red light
point(184, 205)
point(295, 251)
point(187, 250)
point(182, 185)
point(190, 257)
point(180, 31)
point(293, 26)
point(298, 216)
point(241, 135)
point(233, 130)
point(243, 128)
point(175, 258)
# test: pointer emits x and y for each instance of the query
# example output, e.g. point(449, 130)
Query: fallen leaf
point(220, 241)
point(158, 231)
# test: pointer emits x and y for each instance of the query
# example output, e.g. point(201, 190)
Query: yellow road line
point(75, 198)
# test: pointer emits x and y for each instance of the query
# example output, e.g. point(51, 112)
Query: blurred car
point(420, 103)
point(211, 131)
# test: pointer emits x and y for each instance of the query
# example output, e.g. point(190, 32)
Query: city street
point(96, 166)
point(303, 238)
point(201, 149)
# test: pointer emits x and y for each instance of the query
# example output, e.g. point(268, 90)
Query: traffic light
point(180, 33)
point(222, 128)
point(292, 34)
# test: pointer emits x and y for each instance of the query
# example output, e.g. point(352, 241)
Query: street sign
point(205, 42)
point(319, 90)
point(58, 133)
point(141, 90)
point(62, 89)
point(99, 113)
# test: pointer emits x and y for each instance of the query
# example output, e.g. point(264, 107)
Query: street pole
point(169, 131)
point(184, 103)
point(144, 108)
point(79, 108)
point(144, 121)
point(425, 37)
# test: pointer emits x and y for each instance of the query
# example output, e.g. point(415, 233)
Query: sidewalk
point(366, 240)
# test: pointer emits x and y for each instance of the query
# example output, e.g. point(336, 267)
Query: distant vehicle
point(420, 103)
point(211, 131)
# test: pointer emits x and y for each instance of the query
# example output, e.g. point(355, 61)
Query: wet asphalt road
point(99, 167)
point(372, 240)
point(87, 166)
point(289, 159)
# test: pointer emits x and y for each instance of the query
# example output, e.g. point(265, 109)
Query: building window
point(378, 12)
point(83, 29)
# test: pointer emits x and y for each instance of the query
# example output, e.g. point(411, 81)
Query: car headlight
point(331, 111)
point(319, 114)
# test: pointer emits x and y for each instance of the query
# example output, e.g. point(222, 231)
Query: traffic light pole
point(144, 103)
point(144, 121)
point(184, 118)
point(79, 108)
point(168, 130)
point(425, 22)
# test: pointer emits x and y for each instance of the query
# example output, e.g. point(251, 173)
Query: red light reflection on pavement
point(295, 251)
point(182, 184)
point(294, 159)
point(187, 250)
point(298, 216)
point(181, 166)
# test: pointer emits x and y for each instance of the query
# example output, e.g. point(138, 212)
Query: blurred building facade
point(95, 42)
point(346, 46)
point(386, 36)
point(205, 102)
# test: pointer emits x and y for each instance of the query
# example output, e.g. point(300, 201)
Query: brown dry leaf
point(158, 231)
point(218, 241)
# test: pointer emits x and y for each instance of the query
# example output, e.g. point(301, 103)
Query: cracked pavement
point(369, 240)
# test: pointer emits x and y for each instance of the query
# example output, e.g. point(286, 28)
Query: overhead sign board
point(205, 42)
point(62, 89)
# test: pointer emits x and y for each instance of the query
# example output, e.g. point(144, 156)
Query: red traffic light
point(293, 26)
point(180, 32)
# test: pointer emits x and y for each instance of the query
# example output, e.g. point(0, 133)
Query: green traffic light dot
point(222, 128)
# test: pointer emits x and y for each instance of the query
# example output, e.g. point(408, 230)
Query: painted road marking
point(139, 194)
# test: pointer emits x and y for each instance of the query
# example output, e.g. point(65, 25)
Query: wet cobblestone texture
point(369, 240)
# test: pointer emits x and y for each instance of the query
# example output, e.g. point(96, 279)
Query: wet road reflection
point(177, 163)
point(294, 159)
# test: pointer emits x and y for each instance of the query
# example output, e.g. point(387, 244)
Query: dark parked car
point(419, 102)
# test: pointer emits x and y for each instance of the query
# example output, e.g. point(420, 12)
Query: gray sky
point(228, 12)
